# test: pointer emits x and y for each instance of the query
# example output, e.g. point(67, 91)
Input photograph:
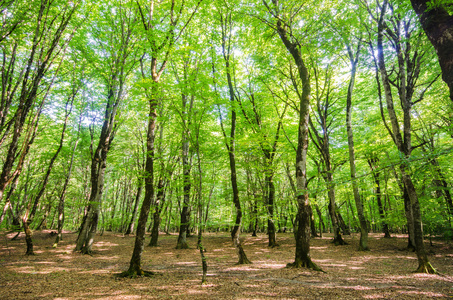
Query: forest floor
point(382, 273)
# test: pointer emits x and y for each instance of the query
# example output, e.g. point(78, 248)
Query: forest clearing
point(382, 273)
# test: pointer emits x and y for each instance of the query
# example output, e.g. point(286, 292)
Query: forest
point(268, 125)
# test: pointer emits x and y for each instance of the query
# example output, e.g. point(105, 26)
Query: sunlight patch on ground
point(359, 288)
point(337, 265)
point(375, 296)
point(418, 293)
point(241, 268)
point(267, 265)
point(33, 271)
point(105, 244)
point(186, 263)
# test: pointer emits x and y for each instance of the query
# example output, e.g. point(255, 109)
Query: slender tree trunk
point(61, 201)
point(302, 255)
point(271, 231)
point(130, 227)
point(403, 140)
point(135, 266)
point(363, 244)
point(184, 225)
point(160, 200)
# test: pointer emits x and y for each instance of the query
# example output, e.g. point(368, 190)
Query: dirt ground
point(382, 273)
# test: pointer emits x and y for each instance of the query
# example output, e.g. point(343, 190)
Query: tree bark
point(302, 255)
point(130, 227)
point(403, 140)
point(438, 26)
point(354, 60)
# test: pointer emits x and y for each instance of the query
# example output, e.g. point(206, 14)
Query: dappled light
point(60, 274)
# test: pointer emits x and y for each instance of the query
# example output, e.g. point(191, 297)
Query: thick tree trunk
point(438, 26)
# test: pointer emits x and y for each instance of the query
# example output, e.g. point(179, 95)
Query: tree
point(22, 90)
point(160, 43)
point(226, 24)
point(323, 114)
point(282, 24)
point(354, 60)
point(408, 70)
point(119, 58)
point(436, 19)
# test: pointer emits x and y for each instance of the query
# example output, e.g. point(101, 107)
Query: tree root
point(134, 274)
point(182, 246)
point(244, 261)
point(305, 264)
point(426, 268)
point(339, 242)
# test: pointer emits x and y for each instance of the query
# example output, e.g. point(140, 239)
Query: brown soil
point(382, 273)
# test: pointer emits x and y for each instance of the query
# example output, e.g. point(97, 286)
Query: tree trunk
point(135, 266)
point(403, 140)
point(438, 26)
point(302, 255)
point(363, 243)
point(271, 231)
point(160, 199)
point(130, 227)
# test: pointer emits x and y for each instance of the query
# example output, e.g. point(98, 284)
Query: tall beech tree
point(226, 24)
point(252, 109)
point(354, 61)
point(22, 78)
point(320, 134)
point(115, 65)
point(436, 18)
point(281, 13)
point(400, 30)
point(163, 24)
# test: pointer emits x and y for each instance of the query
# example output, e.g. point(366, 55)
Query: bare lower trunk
point(160, 199)
point(271, 231)
point(130, 227)
point(424, 266)
point(409, 220)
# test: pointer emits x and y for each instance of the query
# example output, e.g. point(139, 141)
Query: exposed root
point(426, 268)
point(339, 241)
point(305, 264)
point(86, 251)
point(361, 248)
point(134, 274)
point(182, 246)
